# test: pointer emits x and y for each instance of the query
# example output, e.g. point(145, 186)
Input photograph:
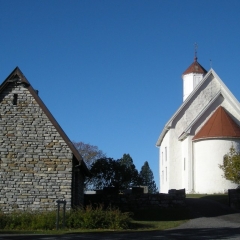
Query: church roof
point(195, 67)
point(220, 124)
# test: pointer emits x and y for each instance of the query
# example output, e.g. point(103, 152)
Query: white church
point(194, 141)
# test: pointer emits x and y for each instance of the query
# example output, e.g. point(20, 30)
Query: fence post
point(64, 213)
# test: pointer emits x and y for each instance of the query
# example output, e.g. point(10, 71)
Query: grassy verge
point(159, 219)
point(221, 198)
point(142, 220)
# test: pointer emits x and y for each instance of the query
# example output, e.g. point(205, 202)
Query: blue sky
point(110, 70)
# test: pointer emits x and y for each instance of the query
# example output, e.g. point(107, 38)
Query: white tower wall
point(190, 81)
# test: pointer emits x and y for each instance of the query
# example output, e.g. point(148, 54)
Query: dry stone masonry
point(36, 164)
point(136, 200)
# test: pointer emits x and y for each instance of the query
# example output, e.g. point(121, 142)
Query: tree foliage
point(147, 177)
point(89, 153)
point(231, 166)
point(130, 176)
point(107, 172)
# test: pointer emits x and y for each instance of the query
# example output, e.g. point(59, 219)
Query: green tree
point(231, 166)
point(130, 176)
point(107, 172)
point(147, 177)
point(104, 173)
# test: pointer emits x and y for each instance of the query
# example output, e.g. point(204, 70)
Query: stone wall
point(35, 162)
point(129, 202)
point(234, 198)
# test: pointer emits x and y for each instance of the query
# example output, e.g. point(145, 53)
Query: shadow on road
point(200, 207)
point(202, 233)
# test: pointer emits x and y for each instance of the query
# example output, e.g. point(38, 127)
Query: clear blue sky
point(110, 70)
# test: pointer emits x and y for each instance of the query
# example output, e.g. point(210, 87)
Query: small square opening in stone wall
point(15, 98)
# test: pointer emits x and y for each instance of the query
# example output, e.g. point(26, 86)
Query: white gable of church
point(211, 90)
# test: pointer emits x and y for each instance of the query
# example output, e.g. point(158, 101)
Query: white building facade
point(196, 138)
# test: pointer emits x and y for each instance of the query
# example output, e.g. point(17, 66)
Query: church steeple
point(192, 76)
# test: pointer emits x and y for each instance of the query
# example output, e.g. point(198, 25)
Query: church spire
point(192, 75)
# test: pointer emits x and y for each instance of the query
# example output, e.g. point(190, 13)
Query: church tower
point(191, 77)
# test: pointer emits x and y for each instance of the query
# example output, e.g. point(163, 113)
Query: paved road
point(210, 220)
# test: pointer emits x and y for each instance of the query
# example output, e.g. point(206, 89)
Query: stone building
point(196, 138)
point(38, 163)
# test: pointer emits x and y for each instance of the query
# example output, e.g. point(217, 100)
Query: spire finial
point(195, 51)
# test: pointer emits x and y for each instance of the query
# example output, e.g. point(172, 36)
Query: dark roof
point(220, 124)
point(17, 75)
point(195, 67)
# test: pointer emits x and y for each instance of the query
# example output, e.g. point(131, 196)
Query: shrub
point(94, 218)
point(44, 220)
point(88, 218)
point(28, 220)
point(118, 220)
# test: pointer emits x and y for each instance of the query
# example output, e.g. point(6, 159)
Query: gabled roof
point(195, 67)
point(225, 92)
point(187, 130)
point(220, 124)
point(17, 76)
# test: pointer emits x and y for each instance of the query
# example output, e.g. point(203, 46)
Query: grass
point(221, 198)
point(159, 219)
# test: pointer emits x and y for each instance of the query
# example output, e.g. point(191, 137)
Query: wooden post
point(64, 213)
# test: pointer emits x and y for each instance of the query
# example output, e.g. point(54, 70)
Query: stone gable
point(36, 164)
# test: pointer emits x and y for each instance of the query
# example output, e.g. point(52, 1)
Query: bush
point(88, 218)
point(28, 220)
point(94, 218)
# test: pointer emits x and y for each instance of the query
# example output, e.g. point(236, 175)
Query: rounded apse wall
point(207, 155)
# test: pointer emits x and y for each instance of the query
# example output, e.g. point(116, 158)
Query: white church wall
point(185, 163)
point(164, 164)
point(175, 161)
point(208, 154)
point(170, 163)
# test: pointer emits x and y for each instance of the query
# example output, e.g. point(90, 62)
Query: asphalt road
point(210, 220)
